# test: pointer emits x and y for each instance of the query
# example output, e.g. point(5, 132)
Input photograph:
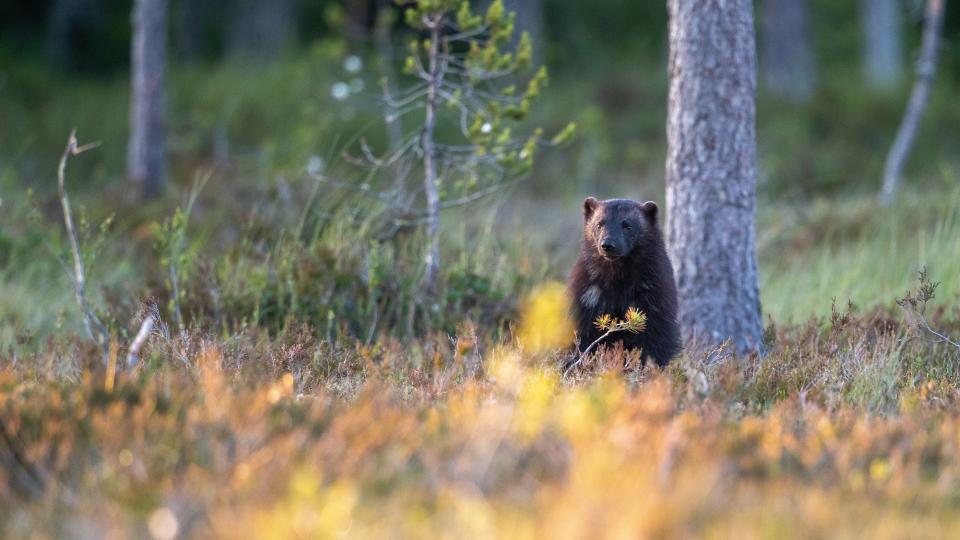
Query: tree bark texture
point(882, 42)
point(787, 59)
point(926, 71)
point(146, 150)
point(711, 170)
point(431, 260)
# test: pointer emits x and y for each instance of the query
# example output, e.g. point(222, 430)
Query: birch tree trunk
point(787, 59)
point(711, 170)
point(926, 71)
point(146, 150)
point(882, 43)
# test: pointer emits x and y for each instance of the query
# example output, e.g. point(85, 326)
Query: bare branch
point(473, 197)
point(411, 96)
point(915, 304)
point(96, 330)
point(384, 197)
point(943, 338)
point(133, 355)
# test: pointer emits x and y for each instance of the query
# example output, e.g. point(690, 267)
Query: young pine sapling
point(469, 91)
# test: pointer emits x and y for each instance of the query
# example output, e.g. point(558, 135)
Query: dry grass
point(288, 437)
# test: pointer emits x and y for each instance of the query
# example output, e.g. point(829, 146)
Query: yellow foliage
point(534, 404)
point(515, 451)
point(545, 319)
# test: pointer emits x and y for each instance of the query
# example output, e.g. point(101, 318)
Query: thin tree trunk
point(60, 24)
point(882, 43)
point(260, 29)
point(711, 170)
point(787, 59)
point(926, 71)
point(359, 19)
point(432, 258)
point(146, 151)
point(529, 19)
point(189, 18)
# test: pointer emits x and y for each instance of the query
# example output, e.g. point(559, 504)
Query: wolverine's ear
point(650, 209)
point(589, 205)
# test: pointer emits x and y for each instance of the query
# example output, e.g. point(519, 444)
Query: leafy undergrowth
point(288, 436)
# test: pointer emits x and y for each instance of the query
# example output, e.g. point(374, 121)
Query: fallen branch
point(23, 474)
point(96, 330)
point(133, 354)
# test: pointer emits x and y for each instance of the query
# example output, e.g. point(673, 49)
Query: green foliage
point(170, 243)
point(634, 321)
point(341, 279)
point(838, 414)
point(482, 96)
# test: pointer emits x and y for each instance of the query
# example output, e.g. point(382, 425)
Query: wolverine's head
point(616, 227)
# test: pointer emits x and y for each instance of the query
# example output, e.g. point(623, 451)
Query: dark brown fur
point(623, 263)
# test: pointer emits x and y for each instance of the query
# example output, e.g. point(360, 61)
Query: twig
point(94, 327)
point(589, 348)
point(382, 196)
point(926, 70)
point(473, 197)
point(915, 304)
point(133, 355)
point(943, 338)
point(634, 321)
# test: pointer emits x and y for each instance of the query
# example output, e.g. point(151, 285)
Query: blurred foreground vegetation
point(311, 392)
point(262, 436)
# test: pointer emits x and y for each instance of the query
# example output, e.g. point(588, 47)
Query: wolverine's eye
point(627, 226)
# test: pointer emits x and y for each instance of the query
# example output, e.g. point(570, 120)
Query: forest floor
point(281, 436)
point(311, 392)
point(253, 430)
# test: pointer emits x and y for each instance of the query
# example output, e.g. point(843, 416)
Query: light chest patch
point(590, 297)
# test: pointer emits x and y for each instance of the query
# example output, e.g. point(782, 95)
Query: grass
point(259, 436)
point(313, 393)
point(849, 250)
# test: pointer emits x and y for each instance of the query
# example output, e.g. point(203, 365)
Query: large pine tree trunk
point(882, 42)
point(787, 59)
point(146, 149)
point(711, 170)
